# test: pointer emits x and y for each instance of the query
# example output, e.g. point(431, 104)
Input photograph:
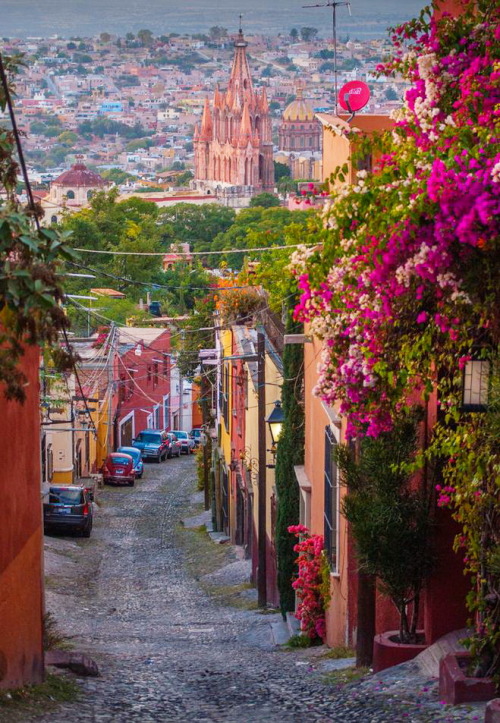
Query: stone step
point(280, 632)
point(293, 624)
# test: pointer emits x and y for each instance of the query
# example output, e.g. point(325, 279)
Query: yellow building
point(339, 138)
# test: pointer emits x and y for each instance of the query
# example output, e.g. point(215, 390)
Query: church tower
point(233, 146)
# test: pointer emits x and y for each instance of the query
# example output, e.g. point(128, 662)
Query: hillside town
point(249, 375)
point(132, 103)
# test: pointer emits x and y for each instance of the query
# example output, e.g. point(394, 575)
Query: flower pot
point(388, 652)
point(456, 687)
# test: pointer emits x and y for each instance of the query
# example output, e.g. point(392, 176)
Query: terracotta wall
point(21, 537)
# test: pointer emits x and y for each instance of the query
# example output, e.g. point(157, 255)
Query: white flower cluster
point(495, 173)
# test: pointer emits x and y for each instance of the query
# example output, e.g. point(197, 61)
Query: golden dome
point(298, 110)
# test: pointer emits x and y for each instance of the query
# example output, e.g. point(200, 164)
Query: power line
point(192, 253)
point(153, 285)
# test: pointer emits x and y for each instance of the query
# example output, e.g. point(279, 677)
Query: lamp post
point(475, 385)
point(275, 421)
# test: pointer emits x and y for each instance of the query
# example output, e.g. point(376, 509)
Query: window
point(149, 373)
point(53, 219)
point(331, 500)
point(70, 194)
point(155, 374)
point(365, 163)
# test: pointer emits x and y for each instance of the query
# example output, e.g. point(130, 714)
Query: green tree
point(196, 225)
point(281, 170)
point(67, 138)
point(294, 34)
point(290, 453)
point(307, 33)
point(264, 200)
point(217, 33)
point(116, 175)
point(389, 517)
point(145, 37)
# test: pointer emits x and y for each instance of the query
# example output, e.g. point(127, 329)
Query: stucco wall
point(21, 592)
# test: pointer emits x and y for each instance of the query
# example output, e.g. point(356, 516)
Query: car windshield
point(132, 452)
point(120, 460)
point(149, 437)
point(182, 435)
point(64, 496)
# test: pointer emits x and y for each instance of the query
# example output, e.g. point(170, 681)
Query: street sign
point(354, 95)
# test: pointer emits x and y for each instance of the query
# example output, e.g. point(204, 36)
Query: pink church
point(233, 144)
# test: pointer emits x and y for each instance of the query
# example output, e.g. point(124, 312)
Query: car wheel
point(86, 532)
point(131, 484)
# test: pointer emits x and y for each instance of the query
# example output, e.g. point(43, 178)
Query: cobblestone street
point(168, 651)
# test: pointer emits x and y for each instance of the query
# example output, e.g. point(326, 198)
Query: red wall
point(141, 396)
point(21, 536)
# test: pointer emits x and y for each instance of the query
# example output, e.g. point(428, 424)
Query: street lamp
point(475, 386)
point(275, 421)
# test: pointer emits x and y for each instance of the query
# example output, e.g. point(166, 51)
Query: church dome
point(298, 110)
point(80, 175)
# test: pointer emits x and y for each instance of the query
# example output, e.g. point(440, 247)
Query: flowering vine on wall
point(407, 283)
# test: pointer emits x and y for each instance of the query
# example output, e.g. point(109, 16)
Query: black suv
point(69, 509)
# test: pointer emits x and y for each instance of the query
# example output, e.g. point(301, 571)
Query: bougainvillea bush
point(311, 584)
point(406, 287)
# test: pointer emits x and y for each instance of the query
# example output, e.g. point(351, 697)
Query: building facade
point(233, 143)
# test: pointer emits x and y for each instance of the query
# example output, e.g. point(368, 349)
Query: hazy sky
point(370, 18)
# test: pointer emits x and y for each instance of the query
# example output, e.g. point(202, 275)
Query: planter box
point(387, 652)
point(492, 714)
point(456, 687)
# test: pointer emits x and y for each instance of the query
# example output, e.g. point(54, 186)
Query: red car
point(118, 469)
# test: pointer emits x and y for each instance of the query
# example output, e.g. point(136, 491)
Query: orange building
point(21, 536)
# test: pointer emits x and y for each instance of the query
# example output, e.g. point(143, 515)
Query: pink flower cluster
point(311, 609)
point(394, 280)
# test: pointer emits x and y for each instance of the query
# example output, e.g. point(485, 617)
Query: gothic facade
point(233, 144)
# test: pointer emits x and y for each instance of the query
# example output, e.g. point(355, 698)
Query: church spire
point(206, 122)
point(240, 82)
point(246, 127)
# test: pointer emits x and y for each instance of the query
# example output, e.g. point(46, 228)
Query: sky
point(43, 18)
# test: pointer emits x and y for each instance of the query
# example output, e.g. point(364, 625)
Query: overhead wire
point(189, 254)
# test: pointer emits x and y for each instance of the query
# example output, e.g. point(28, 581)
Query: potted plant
point(388, 511)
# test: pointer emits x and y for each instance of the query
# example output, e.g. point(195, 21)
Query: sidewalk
point(412, 685)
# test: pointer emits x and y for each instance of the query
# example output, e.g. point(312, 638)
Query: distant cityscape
point(126, 107)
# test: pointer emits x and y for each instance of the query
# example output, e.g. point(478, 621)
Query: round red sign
point(354, 95)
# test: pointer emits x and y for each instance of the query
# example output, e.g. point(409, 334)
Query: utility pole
point(334, 5)
point(262, 488)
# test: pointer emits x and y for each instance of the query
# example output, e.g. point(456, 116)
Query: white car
point(187, 442)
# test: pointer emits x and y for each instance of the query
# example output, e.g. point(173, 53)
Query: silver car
point(187, 442)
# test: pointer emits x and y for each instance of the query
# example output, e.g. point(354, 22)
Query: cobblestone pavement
point(167, 651)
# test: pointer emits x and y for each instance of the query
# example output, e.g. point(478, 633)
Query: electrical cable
point(153, 285)
point(192, 253)
point(84, 399)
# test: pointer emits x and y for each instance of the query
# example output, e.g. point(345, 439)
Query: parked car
point(187, 442)
point(175, 447)
point(153, 444)
point(137, 457)
point(195, 434)
point(118, 469)
point(69, 509)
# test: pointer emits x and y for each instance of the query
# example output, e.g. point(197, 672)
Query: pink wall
point(21, 536)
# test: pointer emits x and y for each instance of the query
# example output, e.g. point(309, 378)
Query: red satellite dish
point(354, 95)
